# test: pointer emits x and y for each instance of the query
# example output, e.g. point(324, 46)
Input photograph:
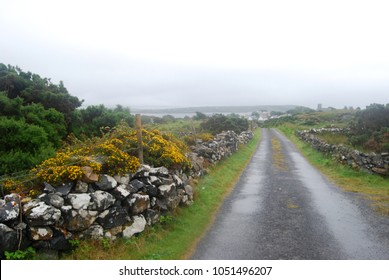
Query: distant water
point(183, 115)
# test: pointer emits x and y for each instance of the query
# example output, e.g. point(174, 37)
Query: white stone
point(138, 226)
point(79, 201)
point(122, 179)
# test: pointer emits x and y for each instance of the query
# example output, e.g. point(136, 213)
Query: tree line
point(37, 115)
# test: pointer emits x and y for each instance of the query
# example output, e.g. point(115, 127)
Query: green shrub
point(218, 123)
point(27, 254)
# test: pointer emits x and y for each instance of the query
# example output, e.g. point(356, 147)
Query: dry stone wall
point(372, 163)
point(109, 208)
point(103, 206)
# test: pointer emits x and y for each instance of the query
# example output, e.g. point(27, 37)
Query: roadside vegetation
point(48, 138)
point(366, 133)
point(178, 233)
point(37, 116)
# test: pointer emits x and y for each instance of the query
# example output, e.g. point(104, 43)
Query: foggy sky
point(204, 53)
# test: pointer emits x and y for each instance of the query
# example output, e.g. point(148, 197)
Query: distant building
point(321, 109)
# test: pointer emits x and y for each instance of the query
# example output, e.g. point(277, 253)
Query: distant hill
point(215, 109)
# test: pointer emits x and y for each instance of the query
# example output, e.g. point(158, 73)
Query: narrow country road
point(283, 208)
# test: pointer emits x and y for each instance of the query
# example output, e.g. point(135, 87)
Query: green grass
point(177, 126)
point(334, 138)
point(179, 233)
point(372, 187)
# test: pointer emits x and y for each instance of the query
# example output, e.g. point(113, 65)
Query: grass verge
point(177, 234)
point(373, 187)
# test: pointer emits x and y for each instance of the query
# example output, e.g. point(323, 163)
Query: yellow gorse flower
point(114, 153)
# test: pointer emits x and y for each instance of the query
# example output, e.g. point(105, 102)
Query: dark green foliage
point(89, 121)
point(200, 116)
point(373, 118)
point(22, 145)
point(300, 110)
point(52, 121)
point(370, 129)
point(278, 121)
point(219, 122)
point(34, 89)
point(37, 115)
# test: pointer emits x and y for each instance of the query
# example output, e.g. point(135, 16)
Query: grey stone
point(177, 181)
point(81, 187)
point(42, 214)
point(137, 203)
point(123, 179)
point(166, 190)
point(166, 180)
point(138, 226)
point(114, 232)
point(159, 171)
point(56, 201)
point(101, 201)
point(45, 198)
point(10, 208)
point(64, 189)
point(48, 188)
point(94, 232)
point(173, 202)
point(154, 180)
point(106, 183)
point(89, 175)
point(79, 201)
point(160, 205)
point(122, 191)
point(151, 216)
point(41, 233)
point(113, 217)
point(185, 201)
point(79, 220)
point(151, 190)
point(8, 239)
point(142, 172)
point(136, 185)
point(60, 243)
point(189, 191)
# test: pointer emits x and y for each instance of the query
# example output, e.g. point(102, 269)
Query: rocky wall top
point(370, 162)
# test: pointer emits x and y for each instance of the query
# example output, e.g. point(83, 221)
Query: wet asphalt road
point(283, 208)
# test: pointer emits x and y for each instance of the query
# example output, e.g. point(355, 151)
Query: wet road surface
point(283, 208)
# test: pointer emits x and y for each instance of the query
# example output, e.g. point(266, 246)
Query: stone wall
point(109, 208)
point(104, 206)
point(371, 163)
point(208, 153)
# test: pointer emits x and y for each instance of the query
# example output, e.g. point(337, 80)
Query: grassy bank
point(373, 187)
point(177, 234)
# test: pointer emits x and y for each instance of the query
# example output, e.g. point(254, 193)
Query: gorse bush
point(191, 139)
point(114, 153)
point(158, 149)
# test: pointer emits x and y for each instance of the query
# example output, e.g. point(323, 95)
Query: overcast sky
point(204, 53)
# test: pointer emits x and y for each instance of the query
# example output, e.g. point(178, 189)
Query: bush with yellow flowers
point(191, 139)
point(114, 153)
point(65, 166)
point(158, 149)
point(22, 185)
